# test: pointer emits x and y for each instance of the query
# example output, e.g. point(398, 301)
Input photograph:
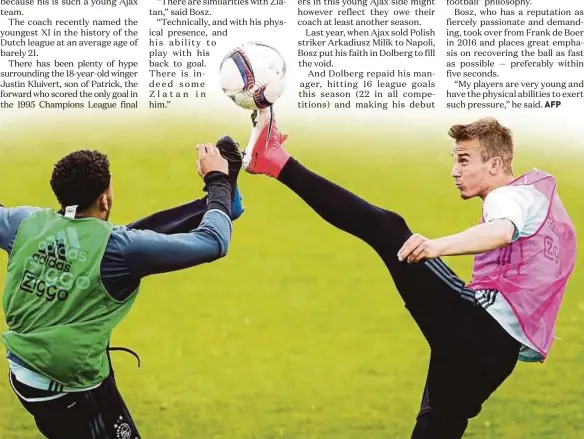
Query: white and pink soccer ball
point(253, 75)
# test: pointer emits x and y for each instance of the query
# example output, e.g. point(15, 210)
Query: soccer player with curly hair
point(73, 276)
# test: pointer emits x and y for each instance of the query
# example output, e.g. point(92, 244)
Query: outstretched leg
point(428, 289)
point(183, 218)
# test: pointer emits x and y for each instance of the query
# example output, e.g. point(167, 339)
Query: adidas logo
point(64, 246)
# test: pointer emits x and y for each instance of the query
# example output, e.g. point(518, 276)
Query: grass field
point(298, 333)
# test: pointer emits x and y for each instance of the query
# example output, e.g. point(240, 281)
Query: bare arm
point(505, 213)
point(478, 239)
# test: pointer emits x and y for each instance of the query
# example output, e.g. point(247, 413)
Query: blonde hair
point(495, 139)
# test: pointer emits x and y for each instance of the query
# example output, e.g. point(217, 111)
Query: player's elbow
point(224, 243)
point(216, 229)
point(221, 241)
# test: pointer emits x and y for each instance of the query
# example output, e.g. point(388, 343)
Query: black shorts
point(99, 413)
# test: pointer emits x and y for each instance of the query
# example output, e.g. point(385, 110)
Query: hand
point(418, 247)
point(210, 160)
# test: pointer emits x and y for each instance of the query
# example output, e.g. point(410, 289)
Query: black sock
point(229, 150)
point(233, 174)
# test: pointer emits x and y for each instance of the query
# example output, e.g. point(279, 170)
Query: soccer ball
point(253, 75)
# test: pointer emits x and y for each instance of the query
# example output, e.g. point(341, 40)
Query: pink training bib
point(532, 272)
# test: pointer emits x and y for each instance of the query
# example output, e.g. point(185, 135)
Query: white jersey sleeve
point(524, 206)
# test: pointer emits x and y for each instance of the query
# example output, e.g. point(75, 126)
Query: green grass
point(298, 333)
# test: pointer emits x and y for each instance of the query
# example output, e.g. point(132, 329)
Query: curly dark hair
point(80, 177)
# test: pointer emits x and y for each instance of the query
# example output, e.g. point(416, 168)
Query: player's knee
point(394, 222)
